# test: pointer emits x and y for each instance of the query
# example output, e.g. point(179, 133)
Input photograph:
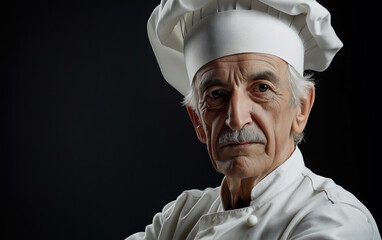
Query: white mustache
point(249, 133)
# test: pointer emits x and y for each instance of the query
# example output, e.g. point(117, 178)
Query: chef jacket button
point(252, 220)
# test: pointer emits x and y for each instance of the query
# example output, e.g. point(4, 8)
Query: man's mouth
point(238, 144)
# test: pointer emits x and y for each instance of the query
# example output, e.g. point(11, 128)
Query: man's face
point(245, 92)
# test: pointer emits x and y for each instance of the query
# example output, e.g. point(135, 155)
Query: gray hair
point(298, 85)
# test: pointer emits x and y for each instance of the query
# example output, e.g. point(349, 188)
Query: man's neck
point(240, 192)
point(237, 191)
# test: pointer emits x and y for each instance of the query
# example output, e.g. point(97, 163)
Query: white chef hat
point(187, 34)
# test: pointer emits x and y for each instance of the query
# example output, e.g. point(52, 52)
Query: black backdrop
point(94, 142)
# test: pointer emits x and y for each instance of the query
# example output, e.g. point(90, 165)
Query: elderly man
point(240, 65)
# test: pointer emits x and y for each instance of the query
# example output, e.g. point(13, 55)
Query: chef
point(240, 65)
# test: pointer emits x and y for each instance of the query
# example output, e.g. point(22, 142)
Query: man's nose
point(239, 111)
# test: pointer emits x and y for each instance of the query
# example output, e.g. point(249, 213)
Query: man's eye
point(216, 94)
point(261, 87)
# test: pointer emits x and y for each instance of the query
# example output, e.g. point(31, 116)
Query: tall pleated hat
point(187, 34)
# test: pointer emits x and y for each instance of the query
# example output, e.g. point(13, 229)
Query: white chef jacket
point(290, 203)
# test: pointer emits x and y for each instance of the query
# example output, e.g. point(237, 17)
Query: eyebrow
point(268, 75)
point(210, 82)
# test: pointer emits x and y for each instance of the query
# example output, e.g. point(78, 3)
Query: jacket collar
point(273, 183)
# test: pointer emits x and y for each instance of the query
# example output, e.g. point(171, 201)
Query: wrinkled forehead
point(243, 64)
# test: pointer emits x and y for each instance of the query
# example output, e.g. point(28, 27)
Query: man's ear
point(306, 104)
point(197, 125)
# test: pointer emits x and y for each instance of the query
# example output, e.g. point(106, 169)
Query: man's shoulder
point(337, 219)
point(331, 206)
point(334, 193)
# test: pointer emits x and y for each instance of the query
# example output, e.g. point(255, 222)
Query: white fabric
point(210, 40)
point(290, 203)
point(298, 31)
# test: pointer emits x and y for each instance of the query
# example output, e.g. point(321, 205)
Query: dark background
point(94, 142)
